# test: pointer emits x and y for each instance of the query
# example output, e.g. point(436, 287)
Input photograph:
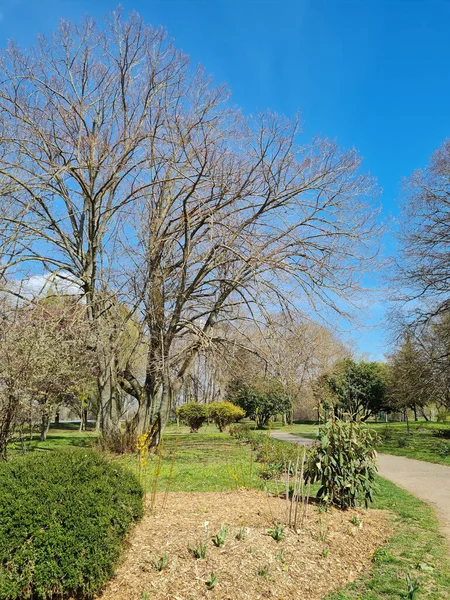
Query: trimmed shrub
point(224, 414)
point(344, 463)
point(193, 414)
point(63, 515)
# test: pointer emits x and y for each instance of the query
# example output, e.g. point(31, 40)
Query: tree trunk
point(45, 425)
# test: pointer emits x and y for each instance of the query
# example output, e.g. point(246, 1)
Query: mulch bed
point(326, 552)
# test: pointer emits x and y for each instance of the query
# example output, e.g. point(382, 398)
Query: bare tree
point(78, 116)
point(422, 276)
point(251, 219)
point(135, 179)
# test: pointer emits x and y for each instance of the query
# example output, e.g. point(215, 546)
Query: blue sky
point(373, 74)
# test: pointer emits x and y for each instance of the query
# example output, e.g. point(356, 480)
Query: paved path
point(427, 481)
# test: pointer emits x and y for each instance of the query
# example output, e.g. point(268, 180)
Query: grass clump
point(63, 517)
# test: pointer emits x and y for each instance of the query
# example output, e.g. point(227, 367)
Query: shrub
point(241, 431)
point(193, 414)
point(63, 517)
point(260, 402)
point(344, 463)
point(225, 413)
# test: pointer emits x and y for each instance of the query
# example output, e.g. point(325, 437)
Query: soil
point(327, 551)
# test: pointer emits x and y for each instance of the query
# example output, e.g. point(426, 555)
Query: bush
point(344, 464)
point(193, 414)
point(225, 413)
point(260, 402)
point(63, 515)
point(241, 431)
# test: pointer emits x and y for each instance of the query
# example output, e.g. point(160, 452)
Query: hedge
point(63, 516)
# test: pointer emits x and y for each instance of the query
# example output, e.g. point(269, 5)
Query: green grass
point(207, 461)
point(421, 443)
point(65, 434)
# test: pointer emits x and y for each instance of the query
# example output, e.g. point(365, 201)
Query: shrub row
point(63, 515)
point(222, 414)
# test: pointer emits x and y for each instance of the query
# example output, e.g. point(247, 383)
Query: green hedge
point(63, 515)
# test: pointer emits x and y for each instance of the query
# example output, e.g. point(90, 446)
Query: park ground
point(210, 462)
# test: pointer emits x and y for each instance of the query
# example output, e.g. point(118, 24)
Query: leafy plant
point(356, 521)
point(240, 534)
point(160, 562)
point(280, 557)
point(224, 414)
point(219, 538)
point(193, 414)
point(63, 517)
point(212, 581)
point(325, 552)
point(412, 586)
point(403, 443)
point(344, 463)
point(277, 531)
point(444, 449)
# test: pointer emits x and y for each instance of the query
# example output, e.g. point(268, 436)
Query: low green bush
point(63, 515)
point(224, 414)
point(344, 463)
point(193, 414)
point(241, 431)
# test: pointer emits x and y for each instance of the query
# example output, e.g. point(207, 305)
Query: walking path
point(428, 481)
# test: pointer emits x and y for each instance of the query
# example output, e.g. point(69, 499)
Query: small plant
point(145, 596)
point(357, 521)
point(212, 581)
point(264, 571)
point(325, 552)
point(280, 557)
point(252, 551)
point(200, 549)
point(240, 534)
point(160, 562)
point(277, 531)
point(444, 449)
point(412, 586)
point(219, 538)
point(323, 530)
point(403, 443)
point(382, 555)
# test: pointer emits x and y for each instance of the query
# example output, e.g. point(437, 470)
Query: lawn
point(212, 462)
point(425, 441)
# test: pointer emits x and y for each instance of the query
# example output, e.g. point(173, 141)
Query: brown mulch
point(327, 552)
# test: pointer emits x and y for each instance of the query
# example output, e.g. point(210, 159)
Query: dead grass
point(328, 552)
